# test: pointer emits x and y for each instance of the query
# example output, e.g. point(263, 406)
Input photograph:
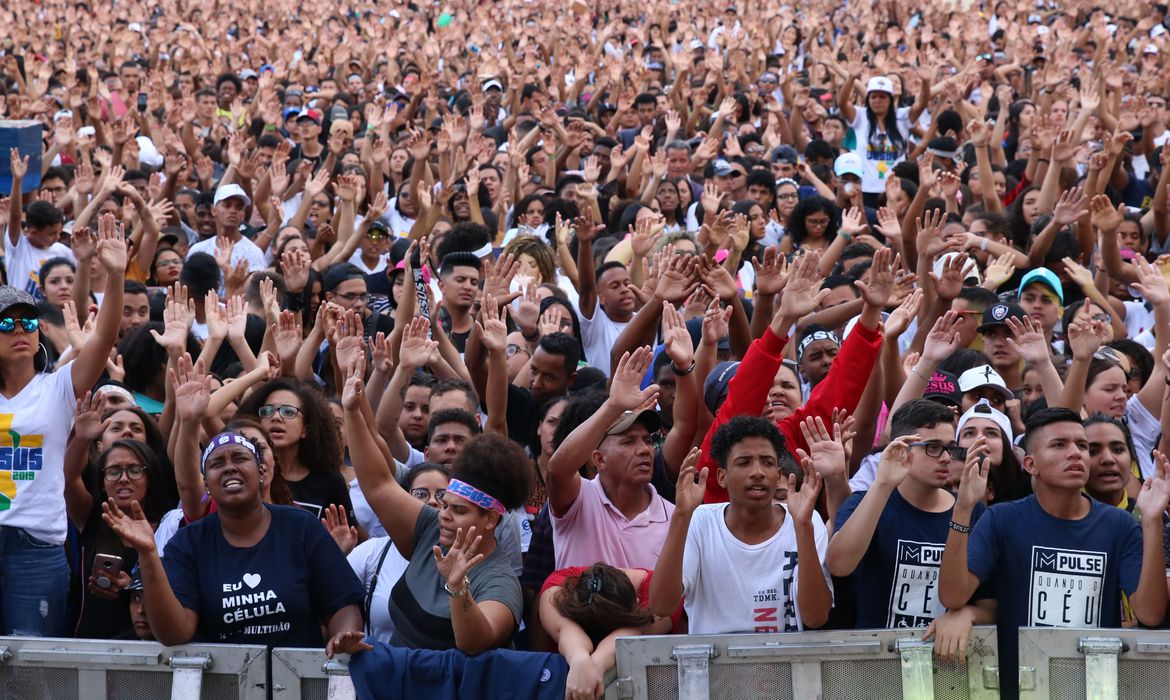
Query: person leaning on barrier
point(750, 565)
point(250, 573)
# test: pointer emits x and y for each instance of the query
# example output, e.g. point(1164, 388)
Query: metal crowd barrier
point(306, 673)
point(1094, 664)
point(831, 665)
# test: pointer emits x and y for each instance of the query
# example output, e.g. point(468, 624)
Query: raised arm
point(192, 394)
point(852, 538)
point(414, 353)
point(666, 586)
point(15, 204)
point(91, 359)
point(396, 509)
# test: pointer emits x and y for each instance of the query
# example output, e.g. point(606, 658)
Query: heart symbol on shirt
point(252, 580)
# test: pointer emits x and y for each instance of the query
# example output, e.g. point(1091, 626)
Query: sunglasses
point(285, 411)
point(8, 325)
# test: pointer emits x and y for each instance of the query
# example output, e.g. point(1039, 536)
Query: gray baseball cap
point(11, 297)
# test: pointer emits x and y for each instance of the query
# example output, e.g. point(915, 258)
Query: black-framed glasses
point(355, 296)
point(423, 494)
point(134, 471)
point(8, 325)
point(935, 449)
point(285, 411)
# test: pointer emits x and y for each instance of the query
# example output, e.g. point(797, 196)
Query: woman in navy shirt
point(250, 573)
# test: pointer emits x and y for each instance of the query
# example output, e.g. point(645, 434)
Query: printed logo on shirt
point(313, 508)
point(21, 459)
point(1066, 587)
point(774, 610)
point(245, 601)
point(914, 594)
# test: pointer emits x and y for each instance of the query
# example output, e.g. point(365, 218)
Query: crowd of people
point(504, 325)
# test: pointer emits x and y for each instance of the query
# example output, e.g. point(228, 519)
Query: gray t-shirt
point(419, 605)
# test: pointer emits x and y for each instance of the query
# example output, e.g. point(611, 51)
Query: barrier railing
point(63, 669)
point(839, 665)
point(1094, 664)
point(306, 674)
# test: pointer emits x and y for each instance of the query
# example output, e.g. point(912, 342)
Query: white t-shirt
point(878, 161)
point(244, 249)
point(1145, 430)
point(729, 586)
point(364, 562)
point(356, 260)
point(598, 335)
point(23, 262)
point(34, 426)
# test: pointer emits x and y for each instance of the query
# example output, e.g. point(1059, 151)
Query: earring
point(45, 350)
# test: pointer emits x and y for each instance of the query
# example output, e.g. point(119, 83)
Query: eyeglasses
point(816, 223)
point(8, 325)
point(351, 297)
point(285, 411)
point(513, 348)
point(425, 494)
point(134, 471)
point(935, 449)
point(787, 195)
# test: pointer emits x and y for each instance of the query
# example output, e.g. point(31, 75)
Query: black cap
point(715, 388)
point(943, 387)
point(998, 314)
point(336, 274)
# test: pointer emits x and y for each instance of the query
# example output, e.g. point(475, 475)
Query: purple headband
point(479, 498)
point(226, 439)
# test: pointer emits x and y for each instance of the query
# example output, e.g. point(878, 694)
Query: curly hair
point(740, 428)
point(320, 449)
point(539, 251)
point(601, 600)
point(497, 466)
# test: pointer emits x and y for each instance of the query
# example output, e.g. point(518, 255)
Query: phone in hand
point(142, 103)
point(106, 568)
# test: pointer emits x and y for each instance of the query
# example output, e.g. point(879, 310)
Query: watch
point(682, 372)
point(461, 592)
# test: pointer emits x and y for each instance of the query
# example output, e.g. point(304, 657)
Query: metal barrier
point(1094, 664)
point(69, 669)
point(305, 674)
point(840, 665)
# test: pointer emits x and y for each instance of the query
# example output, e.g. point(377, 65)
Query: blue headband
point(226, 439)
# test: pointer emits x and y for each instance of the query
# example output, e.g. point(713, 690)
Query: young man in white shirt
point(739, 564)
point(228, 208)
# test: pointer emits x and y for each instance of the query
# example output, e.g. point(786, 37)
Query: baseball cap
point(1151, 49)
point(697, 45)
point(248, 73)
point(231, 190)
point(785, 154)
point(647, 417)
point(720, 168)
point(879, 83)
point(943, 387)
point(1042, 275)
point(848, 164)
point(972, 274)
point(309, 114)
point(984, 375)
point(998, 314)
point(493, 83)
point(11, 297)
point(715, 386)
point(982, 409)
point(336, 274)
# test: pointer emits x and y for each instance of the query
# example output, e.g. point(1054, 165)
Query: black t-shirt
point(319, 490)
point(100, 618)
point(277, 592)
point(522, 417)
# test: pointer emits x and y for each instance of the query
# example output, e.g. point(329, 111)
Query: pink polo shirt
point(594, 530)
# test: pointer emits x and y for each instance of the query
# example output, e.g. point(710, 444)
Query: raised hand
point(973, 483)
point(802, 502)
point(499, 279)
point(177, 318)
point(348, 642)
point(348, 341)
point(460, 559)
point(237, 317)
point(1070, 207)
point(999, 271)
point(417, 348)
point(493, 324)
point(900, 318)
point(1105, 216)
point(625, 392)
point(675, 337)
point(132, 528)
point(337, 524)
point(825, 452)
point(943, 339)
point(772, 273)
point(894, 464)
point(802, 292)
point(1028, 340)
point(955, 270)
point(689, 492)
point(1155, 493)
point(192, 386)
point(716, 322)
point(88, 424)
point(288, 335)
point(1085, 337)
point(1151, 283)
point(111, 247)
point(881, 277)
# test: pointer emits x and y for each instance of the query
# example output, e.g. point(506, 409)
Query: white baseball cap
point(984, 375)
point(879, 83)
point(231, 190)
point(982, 409)
point(972, 272)
point(848, 164)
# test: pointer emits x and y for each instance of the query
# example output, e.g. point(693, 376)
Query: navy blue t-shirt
point(277, 592)
point(1051, 572)
point(899, 572)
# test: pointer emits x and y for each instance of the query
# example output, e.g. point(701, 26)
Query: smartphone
point(106, 568)
point(142, 103)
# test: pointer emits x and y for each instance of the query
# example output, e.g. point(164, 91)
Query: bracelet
point(983, 246)
point(1043, 160)
point(531, 338)
point(918, 372)
point(963, 529)
point(270, 127)
point(846, 236)
point(684, 372)
point(462, 591)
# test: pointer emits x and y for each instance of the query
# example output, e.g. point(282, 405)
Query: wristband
point(462, 591)
point(962, 529)
point(846, 236)
point(983, 246)
point(270, 127)
point(684, 372)
point(917, 371)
